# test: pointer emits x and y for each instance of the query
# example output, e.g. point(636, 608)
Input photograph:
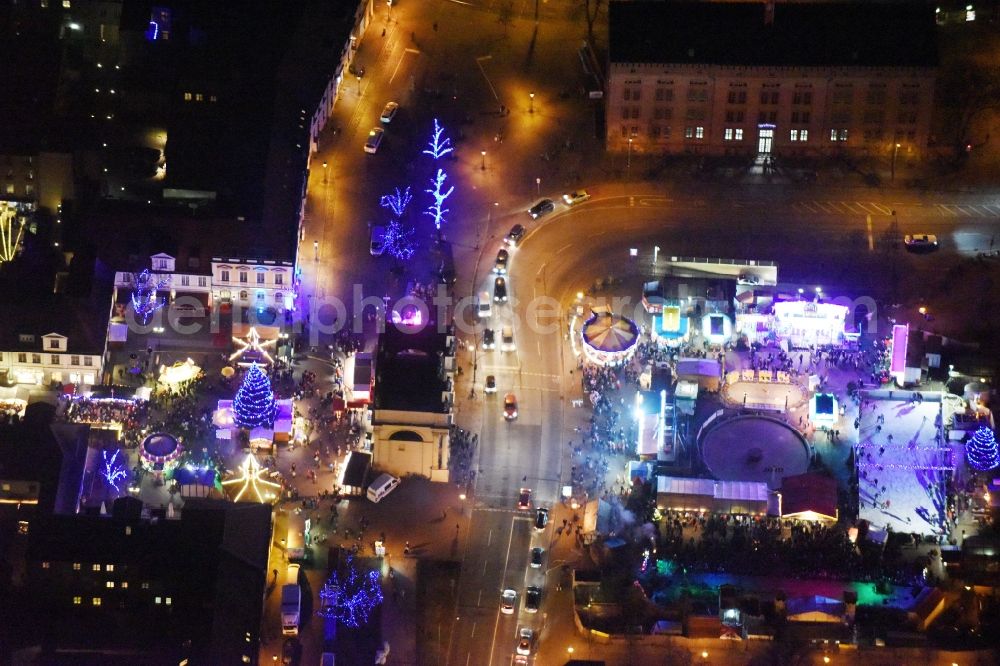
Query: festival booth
point(685, 494)
point(12, 407)
point(178, 373)
point(609, 339)
point(354, 473)
point(260, 437)
point(716, 328)
point(650, 410)
point(195, 481)
point(804, 324)
point(810, 496)
point(823, 409)
point(670, 326)
point(705, 372)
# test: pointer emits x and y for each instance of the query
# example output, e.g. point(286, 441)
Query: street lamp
point(315, 250)
point(656, 253)
point(325, 165)
point(359, 85)
point(483, 164)
point(531, 108)
point(538, 186)
point(628, 160)
point(895, 150)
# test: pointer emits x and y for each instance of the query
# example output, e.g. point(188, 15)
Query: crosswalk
point(967, 210)
point(842, 207)
point(952, 210)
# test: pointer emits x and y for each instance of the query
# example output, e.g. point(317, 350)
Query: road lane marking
point(496, 626)
point(400, 62)
point(479, 62)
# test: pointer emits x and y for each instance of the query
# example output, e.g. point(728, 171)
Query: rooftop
point(860, 34)
point(409, 373)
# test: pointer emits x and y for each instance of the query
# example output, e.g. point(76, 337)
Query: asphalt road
point(461, 72)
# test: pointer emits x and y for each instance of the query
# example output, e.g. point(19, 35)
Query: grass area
point(437, 589)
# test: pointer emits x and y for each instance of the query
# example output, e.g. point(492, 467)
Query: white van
point(292, 574)
point(382, 486)
point(484, 305)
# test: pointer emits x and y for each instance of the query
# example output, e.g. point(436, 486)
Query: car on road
point(524, 638)
point(500, 267)
point(500, 290)
point(389, 112)
point(508, 599)
point(507, 339)
point(374, 140)
point(489, 339)
point(520, 660)
point(532, 599)
point(524, 499)
point(515, 235)
point(543, 207)
point(541, 518)
point(920, 242)
point(510, 406)
point(536, 557)
point(491, 384)
point(576, 197)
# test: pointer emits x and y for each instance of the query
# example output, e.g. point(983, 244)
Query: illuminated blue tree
point(397, 202)
point(438, 147)
point(398, 240)
point(436, 210)
point(351, 598)
point(113, 470)
point(144, 295)
point(981, 450)
point(253, 406)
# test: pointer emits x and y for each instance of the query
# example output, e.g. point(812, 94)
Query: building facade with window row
point(791, 79)
point(253, 283)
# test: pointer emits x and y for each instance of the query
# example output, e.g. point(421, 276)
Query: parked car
point(389, 112)
point(536, 557)
point(500, 267)
point(374, 140)
point(524, 499)
point(926, 242)
point(532, 599)
point(543, 207)
point(541, 518)
point(524, 639)
point(510, 406)
point(500, 290)
point(507, 601)
point(515, 235)
point(576, 197)
point(489, 339)
point(491, 384)
point(290, 651)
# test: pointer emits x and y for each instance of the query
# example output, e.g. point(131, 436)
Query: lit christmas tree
point(253, 406)
point(350, 599)
point(981, 450)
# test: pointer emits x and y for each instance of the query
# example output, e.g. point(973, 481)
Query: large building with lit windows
point(763, 78)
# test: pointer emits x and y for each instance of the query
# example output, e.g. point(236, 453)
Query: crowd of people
point(130, 414)
point(463, 449)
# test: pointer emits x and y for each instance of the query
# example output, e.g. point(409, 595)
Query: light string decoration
point(439, 145)
point(350, 599)
point(397, 202)
point(252, 479)
point(112, 469)
point(252, 344)
point(144, 295)
point(981, 450)
point(436, 210)
point(253, 406)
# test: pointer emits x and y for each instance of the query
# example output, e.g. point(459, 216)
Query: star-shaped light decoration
point(252, 478)
point(252, 343)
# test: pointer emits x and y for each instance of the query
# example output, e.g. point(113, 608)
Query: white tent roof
point(698, 366)
point(730, 490)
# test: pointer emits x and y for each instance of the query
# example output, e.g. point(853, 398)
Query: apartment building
point(762, 79)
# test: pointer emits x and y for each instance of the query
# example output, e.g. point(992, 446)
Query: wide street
point(458, 62)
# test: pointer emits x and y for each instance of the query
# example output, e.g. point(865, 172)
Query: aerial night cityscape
point(499, 332)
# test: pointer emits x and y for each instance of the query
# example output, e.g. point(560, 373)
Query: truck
point(291, 606)
point(295, 544)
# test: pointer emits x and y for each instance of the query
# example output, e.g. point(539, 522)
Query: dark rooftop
point(823, 34)
point(408, 374)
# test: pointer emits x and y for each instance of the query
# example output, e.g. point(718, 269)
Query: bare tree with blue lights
point(398, 240)
point(397, 202)
point(438, 147)
point(351, 598)
point(436, 210)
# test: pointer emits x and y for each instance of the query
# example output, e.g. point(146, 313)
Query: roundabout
point(754, 448)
